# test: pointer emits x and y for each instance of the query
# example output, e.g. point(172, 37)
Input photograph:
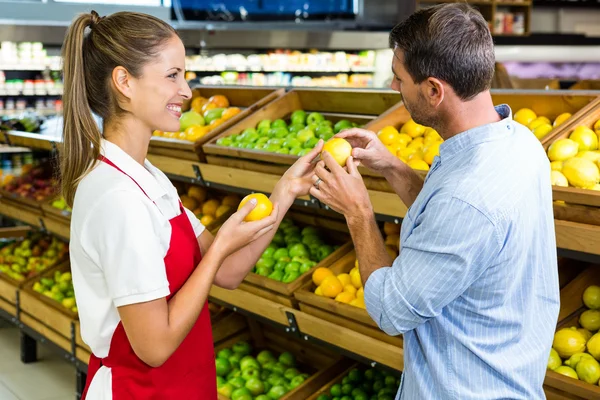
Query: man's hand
point(368, 149)
point(343, 191)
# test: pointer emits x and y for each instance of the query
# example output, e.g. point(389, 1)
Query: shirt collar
point(479, 135)
point(141, 174)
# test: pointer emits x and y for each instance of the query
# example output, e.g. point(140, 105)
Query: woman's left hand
point(298, 178)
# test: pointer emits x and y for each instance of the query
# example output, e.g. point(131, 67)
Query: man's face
point(412, 95)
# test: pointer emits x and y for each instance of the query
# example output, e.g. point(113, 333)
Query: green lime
point(336, 390)
point(347, 388)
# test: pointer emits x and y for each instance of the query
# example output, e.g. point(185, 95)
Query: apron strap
point(107, 161)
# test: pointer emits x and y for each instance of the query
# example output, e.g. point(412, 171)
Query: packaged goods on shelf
point(26, 56)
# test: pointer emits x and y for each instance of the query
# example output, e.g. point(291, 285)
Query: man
point(475, 287)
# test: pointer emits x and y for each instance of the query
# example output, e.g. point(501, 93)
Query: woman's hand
point(236, 233)
point(297, 178)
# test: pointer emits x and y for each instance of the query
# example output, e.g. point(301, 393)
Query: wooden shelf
point(30, 140)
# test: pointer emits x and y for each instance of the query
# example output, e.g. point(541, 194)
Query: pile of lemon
point(576, 161)
point(392, 238)
point(539, 125)
point(415, 144)
point(207, 209)
point(346, 288)
point(580, 347)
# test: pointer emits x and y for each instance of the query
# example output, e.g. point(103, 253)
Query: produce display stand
point(31, 140)
point(586, 84)
point(322, 365)
point(249, 99)
point(337, 379)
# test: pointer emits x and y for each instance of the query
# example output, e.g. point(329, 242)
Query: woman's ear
point(122, 83)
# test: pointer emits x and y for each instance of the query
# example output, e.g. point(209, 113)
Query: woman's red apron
point(190, 371)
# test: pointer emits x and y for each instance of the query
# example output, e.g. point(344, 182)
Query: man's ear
point(434, 91)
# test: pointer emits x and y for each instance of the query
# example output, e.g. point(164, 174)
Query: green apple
point(283, 150)
point(277, 392)
point(304, 135)
point(341, 125)
point(242, 348)
point(277, 276)
point(264, 132)
point(234, 360)
point(237, 382)
point(295, 128)
point(279, 238)
point(291, 373)
point(250, 373)
point(295, 151)
point(225, 141)
point(279, 123)
point(226, 390)
point(307, 240)
point(264, 374)
point(255, 386)
point(281, 253)
point(290, 276)
point(305, 267)
point(266, 262)
point(297, 381)
point(220, 381)
point(280, 368)
point(223, 367)
point(268, 366)
point(262, 139)
point(263, 396)
point(280, 266)
point(310, 143)
point(324, 252)
point(326, 136)
point(292, 267)
point(213, 114)
point(264, 357)
point(276, 141)
point(292, 143)
point(272, 148)
point(390, 381)
point(249, 362)
point(304, 152)
point(279, 133)
point(264, 271)
point(323, 129)
point(269, 251)
point(298, 117)
point(286, 223)
point(238, 393)
point(287, 359)
point(315, 117)
point(276, 379)
point(234, 373)
point(298, 250)
point(293, 239)
point(190, 118)
point(249, 135)
point(264, 124)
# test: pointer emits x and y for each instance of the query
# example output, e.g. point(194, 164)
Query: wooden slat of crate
point(577, 237)
point(20, 212)
point(228, 326)
point(58, 226)
point(32, 140)
point(8, 291)
point(8, 307)
point(369, 102)
point(338, 379)
point(46, 314)
point(577, 213)
point(586, 117)
point(565, 386)
point(571, 300)
point(47, 331)
point(82, 355)
point(586, 84)
point(535, 83)
point(32, 205)
point(14, 232)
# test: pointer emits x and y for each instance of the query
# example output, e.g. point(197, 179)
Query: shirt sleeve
point(198, 227)
point(122, 235)
point(451, 245)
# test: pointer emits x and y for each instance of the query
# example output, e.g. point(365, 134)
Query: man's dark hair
point(450, 42)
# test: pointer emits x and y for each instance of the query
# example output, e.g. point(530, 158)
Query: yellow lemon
point(554, 360)
point(412, 129)
point(568, 341)
point(595, 187)
point(198, 193)
point(210, 207)
point(561, 119)
point(355, 265)
point(231, 200)
point(539, 121)
point(350, 289)
point(320, 274)
point(587, 138)
point(525, 116)
point(206, 220)
point(575, 358)
point(432, 133)
point(593, 346)
point(394, 148)
point(358, 302)
point(344, 278)
point(388, 135)
point(566, 371)
point(319, 291)
point(419, 164)
point(558, 179)
point(222, 210)
point(405, 153)
point(355, 279)
point(360, 293)
point(590, 155)
point(263, 207)
point(331, 287)
point(588, 370)
point(591, 297)
point(431, 152)
point(586, 334)
point(556, 166)
point(389, 228)
point(563, 149)
point(590, 320)
point(542, 130)
point(403, 137)
point(345, 297)
point(418, 155)
point(581, 172)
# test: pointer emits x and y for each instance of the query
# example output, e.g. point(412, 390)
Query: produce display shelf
point(31, 140)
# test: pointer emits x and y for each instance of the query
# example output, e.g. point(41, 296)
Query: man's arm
point(404, 180)
point(451, 245)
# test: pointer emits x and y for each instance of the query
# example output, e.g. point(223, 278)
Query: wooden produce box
point(283, 293)
point(225, 323)
point(358, 106)
point(338, 379)
point(46, 315)
point(18, 210)
point(586, 84)
point(342, 314)
point(249, 99)
point(556, 385)
point(572, 195)
point(322, 364)
point(535, 83)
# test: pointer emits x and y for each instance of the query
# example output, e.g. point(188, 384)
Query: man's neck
point(462, 116)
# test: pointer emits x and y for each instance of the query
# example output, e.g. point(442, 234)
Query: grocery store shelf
point(31, 140)
point(30, 93)
point(294, 71)
point(24, 67)
point(577, 237)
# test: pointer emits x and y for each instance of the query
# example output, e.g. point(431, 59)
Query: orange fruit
point(320, 274)
point(210, 207)
point(390, 228)
point(195, 132)
point(263, 207)
point(344, 278)
point(388, 135)
point(339, 149)
point(198, 103)
point(219, 101)
point(231, 200)
point(230, 113)
point(206, 220)
point(345, 297)
point(331, 287)
point(189, 202)
point(198, 193)
point(222, 210)
point(208, 106)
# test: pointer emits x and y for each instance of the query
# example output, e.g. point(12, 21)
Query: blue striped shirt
point(475, 287)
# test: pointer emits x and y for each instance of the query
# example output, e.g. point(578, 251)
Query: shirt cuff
point(142, 297)
point(373, 290)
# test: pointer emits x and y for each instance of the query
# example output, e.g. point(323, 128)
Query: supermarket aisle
point(51, 378)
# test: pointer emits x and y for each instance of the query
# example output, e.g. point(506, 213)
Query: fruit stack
point(204, 116)
point(39, 184)
point(265, 376)
point(207, 208)
point(24, 259)
point(58, 288)
point(579, 348)
point(362, 384)
point(415, 144)
point(296, 138)
point(392, 238)
point(576, 161)
point(346, 288)
point(539, 125)
point(292, 252)
point(61, 204)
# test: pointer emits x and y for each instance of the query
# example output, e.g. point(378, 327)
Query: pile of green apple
point(25, 258)
point(369, 384)
point(58, 288)
point(292, 252)
point(297, 138)
point(240, 376)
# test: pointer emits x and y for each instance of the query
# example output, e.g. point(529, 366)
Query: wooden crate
point(322, 364)
point(586, 84)
point(226, 324)
point(535, 83)
point(283, 293)
point(20, 211)
point(572, 195)
point(249, 99)
point(28, 288)
point(8, 297)
point(342, 314)
point(360, 107)
point(556, 385)
point(34, 276)
point(338, 379)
